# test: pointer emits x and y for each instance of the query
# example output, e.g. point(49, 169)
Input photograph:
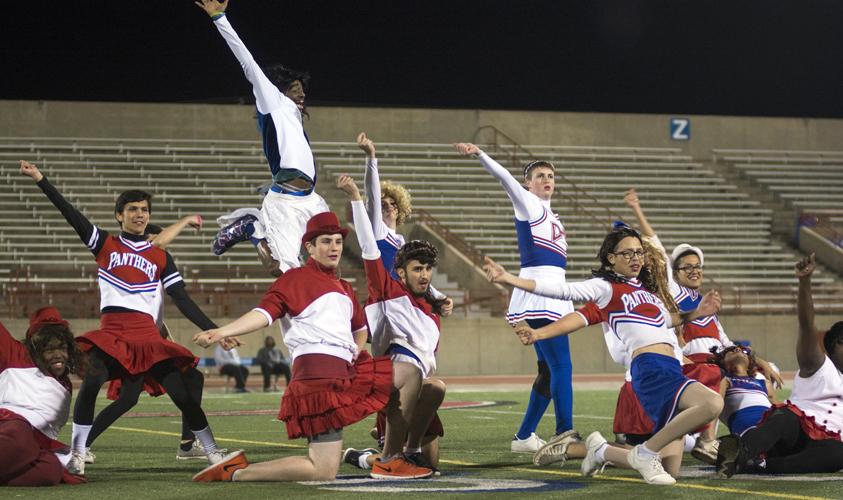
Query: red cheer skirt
point(134, 341)
point(813, 429)
point(630, 417)
point(313, 406)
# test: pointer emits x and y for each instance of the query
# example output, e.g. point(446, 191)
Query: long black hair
point(606, 270)
point(426, 253)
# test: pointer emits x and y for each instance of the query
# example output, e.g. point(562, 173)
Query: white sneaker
point(76, 465)
point(590, 465)
point(650, 468)
point(556, 448)
point(705, 451)
point(529, 445)
point(218, 456)
point(89, 457)
point(196, 452)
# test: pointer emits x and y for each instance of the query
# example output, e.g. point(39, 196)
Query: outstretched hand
point(526, 335)
point(494, 271)
point(805, 267)
point(194, 221)
point(346, 184)
point(366, 144)
point(30, 170)
point(207, 338)
point(467, 149)
point(710, 304)
point(212, 7)
point(631, 198)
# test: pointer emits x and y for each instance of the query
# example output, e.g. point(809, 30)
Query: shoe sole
point(206, 469)
point(375, 475)
point(729, 451)
point(702, 457)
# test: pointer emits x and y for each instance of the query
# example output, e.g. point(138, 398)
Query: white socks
point(600, 453)
point(643, 451)
point(410, 451)
point(361, 461)
point(206, 437)
point(79, 437)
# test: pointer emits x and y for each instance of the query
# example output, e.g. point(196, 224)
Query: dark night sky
point(772, 57)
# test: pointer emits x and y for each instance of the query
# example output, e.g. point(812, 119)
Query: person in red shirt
point(35, 400)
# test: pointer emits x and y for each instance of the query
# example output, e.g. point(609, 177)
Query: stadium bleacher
point(685, 200)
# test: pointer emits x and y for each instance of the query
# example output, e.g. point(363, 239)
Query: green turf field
point(136, 459)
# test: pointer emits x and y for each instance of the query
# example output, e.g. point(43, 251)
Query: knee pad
point(542, 383)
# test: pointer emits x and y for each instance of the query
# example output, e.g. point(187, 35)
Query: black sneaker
point(232, 234)
point(419, 460)
point(352, 456)
point(730, 457)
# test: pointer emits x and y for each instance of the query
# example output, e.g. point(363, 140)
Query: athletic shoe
point(650, 467)
point(729, 457)
point(590, 465)
point(530, 445)
point(223, 470)
point(556, 448)
point(232, 234)
point(196, 452)
point(76, 465)
point(705, 451)
point(89, 457)
point(352, 456)
point(420, 460)
point(398, 468)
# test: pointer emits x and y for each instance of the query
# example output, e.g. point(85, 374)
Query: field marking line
point(518, 469)
point(721, 489)
point(224, 440)
point(546, 415)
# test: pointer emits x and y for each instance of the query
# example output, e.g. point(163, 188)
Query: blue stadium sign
point(680, 129)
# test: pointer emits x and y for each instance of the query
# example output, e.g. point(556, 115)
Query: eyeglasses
point(689, 268)
point(629, 254)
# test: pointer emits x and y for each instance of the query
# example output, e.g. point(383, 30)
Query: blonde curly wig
point(658, 269)
point(402, 198)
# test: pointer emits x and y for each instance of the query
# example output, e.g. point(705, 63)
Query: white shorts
point(284, 219)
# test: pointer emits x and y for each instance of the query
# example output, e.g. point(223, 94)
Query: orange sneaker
point(399, 468)
point(223, 471)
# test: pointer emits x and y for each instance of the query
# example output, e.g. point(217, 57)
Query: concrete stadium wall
point(328, 123)
point(488, 347)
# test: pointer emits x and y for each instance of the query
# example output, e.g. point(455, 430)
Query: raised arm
point(527, 206)
point(169, 233)
point(372, 183)
point(267, 95)
point(631, 200)
point(809, 354)
point(362, 227)
point(92, 237)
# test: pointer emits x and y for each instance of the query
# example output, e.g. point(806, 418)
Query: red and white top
point(25, 390)
point(130, 273)
point(636, 316)
point(821, 396)
point(394, 314)
point(319, 312)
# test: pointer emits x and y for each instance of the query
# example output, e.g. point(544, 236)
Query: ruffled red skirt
point(813, 429)
point(630, 417)
point(135, 342)
point(313, 406)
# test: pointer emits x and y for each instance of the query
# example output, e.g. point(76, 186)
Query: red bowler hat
point(45, 316)
point(323, 223)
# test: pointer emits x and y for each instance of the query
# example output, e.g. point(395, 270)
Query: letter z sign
point(680, 129)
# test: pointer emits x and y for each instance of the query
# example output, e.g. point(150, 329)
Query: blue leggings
point(552, 383)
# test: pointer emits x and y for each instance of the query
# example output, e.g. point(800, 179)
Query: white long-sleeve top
point(285, 144)
point(541, 245)
point(637, 317)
